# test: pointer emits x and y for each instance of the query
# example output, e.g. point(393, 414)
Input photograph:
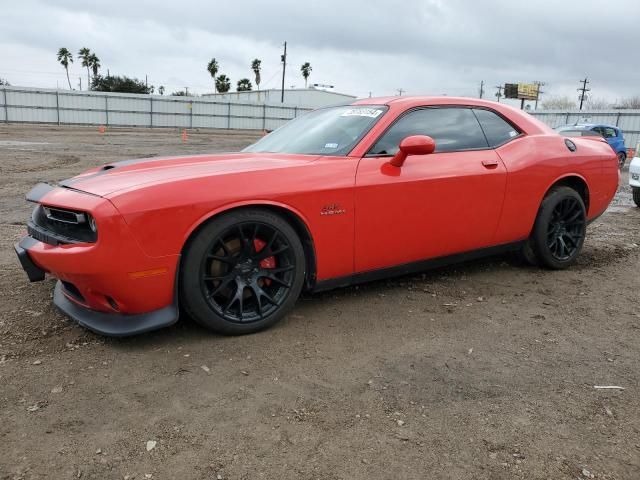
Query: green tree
point(244, 85)
point(65, 58)
point(213, 67)
point(255, 66)
point(94, 64)
point(124, 84)
point(4, 83)
point(223, 84)
point(306, 71)
point(84, 54)
point(161, 89)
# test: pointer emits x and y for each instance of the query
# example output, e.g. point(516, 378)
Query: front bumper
point(110, 286)
point(634, 172)
point(113, 324)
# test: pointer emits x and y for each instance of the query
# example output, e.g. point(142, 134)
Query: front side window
point(452, 129)
point(328, 131)
point(497, 130)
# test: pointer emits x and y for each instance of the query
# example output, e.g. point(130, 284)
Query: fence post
point(6, 108)
point(264, 116)
point(106, 109)
point(229, 115)
point(295, 112)
point(151, 111)
point(567, 120)
point(58, 106)
point(191, 114)
point(617, 119)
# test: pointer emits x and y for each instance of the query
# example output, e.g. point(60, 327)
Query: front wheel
point(560, 228)
point(622, 157)
point(636, 196)
point(242, 272)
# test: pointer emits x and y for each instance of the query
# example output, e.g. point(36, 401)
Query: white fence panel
point(121, 109)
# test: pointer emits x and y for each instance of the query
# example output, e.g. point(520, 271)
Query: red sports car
point(340, 195)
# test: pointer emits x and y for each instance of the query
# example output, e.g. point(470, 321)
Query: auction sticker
point(362, 112)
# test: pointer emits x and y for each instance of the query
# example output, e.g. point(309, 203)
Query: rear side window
point(609, 132)
point(453, 129)
point(497, 130)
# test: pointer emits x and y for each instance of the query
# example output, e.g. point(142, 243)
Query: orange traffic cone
point(102, 129)
point(184, 135)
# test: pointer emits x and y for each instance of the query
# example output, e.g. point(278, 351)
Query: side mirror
point(413, 145)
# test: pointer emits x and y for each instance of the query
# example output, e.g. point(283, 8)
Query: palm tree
point(223, 84)
point(84, 54)
point(65, 58)
point(255, 66)
point(213, 67)
point(306, 71)
point(94, 63)
point(161, 89)
point(244, 85)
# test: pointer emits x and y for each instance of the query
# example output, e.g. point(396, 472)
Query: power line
point(583, 90)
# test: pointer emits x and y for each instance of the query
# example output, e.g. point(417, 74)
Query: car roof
point(522, 119)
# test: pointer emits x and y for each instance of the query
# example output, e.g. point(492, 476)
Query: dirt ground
point(484, 370)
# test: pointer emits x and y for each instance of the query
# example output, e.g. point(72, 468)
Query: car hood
point(128, 174)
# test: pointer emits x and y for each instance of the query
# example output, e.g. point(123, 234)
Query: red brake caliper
point(269, 262)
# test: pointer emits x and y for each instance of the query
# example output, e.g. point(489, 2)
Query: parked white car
point(634, 176)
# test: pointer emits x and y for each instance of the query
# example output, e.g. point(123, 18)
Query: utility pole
point(481, 88)
point(499, 92)
point(186, 91)
point(400, 91)
point(583, 90)
point(80, 82)
point(283, 57)
point(540, 92)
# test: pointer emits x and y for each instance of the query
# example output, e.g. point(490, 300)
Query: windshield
point(329, 131)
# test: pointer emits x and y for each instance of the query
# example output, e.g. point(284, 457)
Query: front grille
point(57, 226)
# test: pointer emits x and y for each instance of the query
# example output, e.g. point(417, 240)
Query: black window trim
point(471, 107)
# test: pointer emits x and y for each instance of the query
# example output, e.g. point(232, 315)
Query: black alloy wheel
point(242, 272)
point(559, 230)
point(622, 158)
point(565, 231)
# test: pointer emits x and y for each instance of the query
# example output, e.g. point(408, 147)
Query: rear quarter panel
point(535, 163)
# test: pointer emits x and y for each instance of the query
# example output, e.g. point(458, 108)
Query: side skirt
point(413, 267)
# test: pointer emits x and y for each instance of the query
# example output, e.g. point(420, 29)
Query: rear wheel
point(560, 228)
point(636, 196)
point(622, 157)
point(242, 272)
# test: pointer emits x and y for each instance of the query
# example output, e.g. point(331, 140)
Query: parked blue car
point(613, 136)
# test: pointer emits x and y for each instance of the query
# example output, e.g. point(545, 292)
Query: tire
point(242, 272)
point(560, 228)
point(622, 157)
point(636, 196)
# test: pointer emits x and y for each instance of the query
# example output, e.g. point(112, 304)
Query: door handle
point(490, 163)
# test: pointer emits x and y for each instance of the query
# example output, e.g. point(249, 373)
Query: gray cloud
point(428, 46)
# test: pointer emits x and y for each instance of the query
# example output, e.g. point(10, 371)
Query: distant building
point(298, 97)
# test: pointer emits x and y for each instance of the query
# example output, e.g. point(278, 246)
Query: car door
point(434, 205)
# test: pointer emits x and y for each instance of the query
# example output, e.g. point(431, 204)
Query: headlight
point(92, 223)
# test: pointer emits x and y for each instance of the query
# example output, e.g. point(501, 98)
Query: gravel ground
point(484, 370)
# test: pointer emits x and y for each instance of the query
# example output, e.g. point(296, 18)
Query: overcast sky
point(360, 46)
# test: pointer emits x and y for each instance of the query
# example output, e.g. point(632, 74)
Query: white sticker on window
point(362, 112)
point(513, 133)
point(331, 145)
